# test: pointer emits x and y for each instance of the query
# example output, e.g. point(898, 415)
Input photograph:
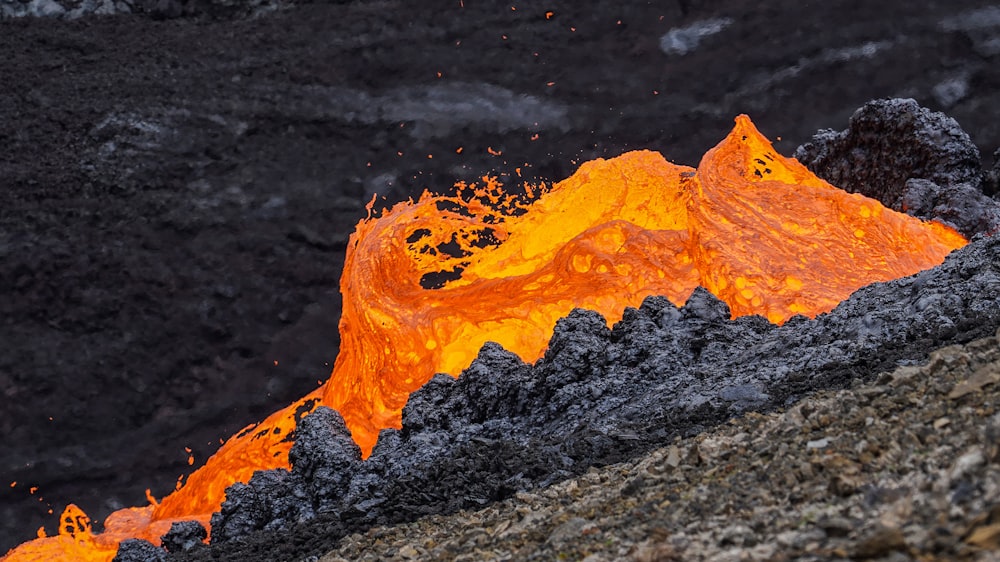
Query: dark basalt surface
point(600, 395)
point(177, 185)
point(912, 159)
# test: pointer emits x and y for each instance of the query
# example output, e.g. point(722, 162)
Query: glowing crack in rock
point(427, 283)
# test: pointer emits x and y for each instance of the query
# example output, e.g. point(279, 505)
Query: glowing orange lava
point(756, 229)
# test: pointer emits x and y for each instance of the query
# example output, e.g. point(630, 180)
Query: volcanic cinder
point(601, 395)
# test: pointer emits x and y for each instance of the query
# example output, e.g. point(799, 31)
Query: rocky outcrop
point(601, 396)
point(903, 467)
point(912, 159)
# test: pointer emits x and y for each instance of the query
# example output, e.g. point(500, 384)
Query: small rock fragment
point(409, 552)
point(818, 443)
point(567, 531)
point(138, 550)
point(183, 536)
point(836, 526)
point(880, 542)
point(975, 383)
point(673, 457)
point(971, 460)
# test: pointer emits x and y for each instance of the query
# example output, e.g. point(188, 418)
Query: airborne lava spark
point(756, 229)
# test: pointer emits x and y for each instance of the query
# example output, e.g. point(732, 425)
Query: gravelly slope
point(904, 467)
point(600, 396)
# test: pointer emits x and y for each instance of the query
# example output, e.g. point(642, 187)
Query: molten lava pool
point(427, 283)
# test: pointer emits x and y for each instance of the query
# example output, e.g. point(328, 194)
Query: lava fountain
point(427, 283)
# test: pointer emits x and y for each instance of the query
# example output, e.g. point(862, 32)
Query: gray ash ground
point(178, 184)
point(601, 396)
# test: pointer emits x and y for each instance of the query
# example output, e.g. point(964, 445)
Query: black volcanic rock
point(323, 459)
point(912, 159)
point(961, 205)
point(991, 179)
point(268, 501)
point(138, 550)
point(324, 453)
point(184, 535)
point(480, 398)
point(888, 142)
point(600, 396)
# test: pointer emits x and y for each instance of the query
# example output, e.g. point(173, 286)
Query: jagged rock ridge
point(599, 396)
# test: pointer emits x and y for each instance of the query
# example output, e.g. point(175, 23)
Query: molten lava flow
point(428, 282)
point(603, 239)
point(758, 230)
point(771, 238)
point(261, 446)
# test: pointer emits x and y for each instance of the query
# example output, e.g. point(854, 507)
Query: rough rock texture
point(991, 179)
point(176, 193)
point(324, 459)
point(183, 535)
point(601, 396)
point(913, 159)
point(904, 467)
point(138, 550)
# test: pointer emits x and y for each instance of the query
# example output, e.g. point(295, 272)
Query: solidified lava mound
point(938, 176)
point(602, 395)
